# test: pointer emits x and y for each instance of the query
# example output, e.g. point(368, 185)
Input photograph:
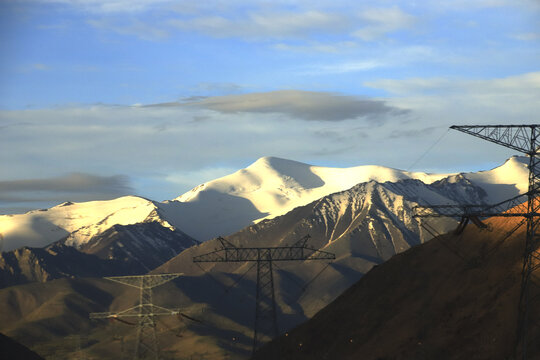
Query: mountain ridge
point(267, 188)
point(455, 297)
point(364, 226)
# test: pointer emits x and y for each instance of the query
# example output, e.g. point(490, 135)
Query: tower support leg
point(265, 307)
point(147, 346)
point(528, 316)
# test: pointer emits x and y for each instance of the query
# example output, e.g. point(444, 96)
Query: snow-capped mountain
point(120, 250)
point(443, 301)
point(271, 187)
point(364, 226)
point(142, 246)
point(268, 188)
point(76, 223)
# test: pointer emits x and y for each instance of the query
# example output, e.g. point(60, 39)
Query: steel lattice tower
point(525, 139)
point(79, 341)
point(146, 346)
point(265, 307)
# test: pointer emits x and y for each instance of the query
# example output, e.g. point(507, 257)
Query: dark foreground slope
point(454, 297)
point(12, 350)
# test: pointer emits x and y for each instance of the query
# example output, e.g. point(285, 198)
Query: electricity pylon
point(525, 139)
point(265, 307)
point(80, 341)
point(146, 346)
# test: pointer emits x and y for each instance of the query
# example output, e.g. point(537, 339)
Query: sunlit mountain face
point(273, 202)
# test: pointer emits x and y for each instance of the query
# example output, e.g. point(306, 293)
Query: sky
point(103, 98)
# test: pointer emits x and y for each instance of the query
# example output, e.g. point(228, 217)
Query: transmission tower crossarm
point(265, 308)
point(144, 281)
point(516, 137)
point(135, 312)
point(146, 346)
point(278, 253)
point(517, 204)
point(102, 315)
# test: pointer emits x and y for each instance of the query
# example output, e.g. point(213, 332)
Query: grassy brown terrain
point(455, 297)
point(48, 317)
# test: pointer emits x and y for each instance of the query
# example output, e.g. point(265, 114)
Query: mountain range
point(455, 297)
point(268, 188)
point(364, 225)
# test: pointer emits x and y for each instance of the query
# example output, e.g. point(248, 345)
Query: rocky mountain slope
point(53, 262)
point(142, 247)
point(455, 297)
point(120, 250)
point(432, 293)
point(364, 226)
point(271, 187)
point(268, 188)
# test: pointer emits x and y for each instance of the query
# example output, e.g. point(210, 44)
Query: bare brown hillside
point(10, 349)
point(454, 297)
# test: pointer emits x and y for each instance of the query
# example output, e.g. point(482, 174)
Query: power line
point(146, 346)
point(525, 139)
point(428, 150)
point(265, 307)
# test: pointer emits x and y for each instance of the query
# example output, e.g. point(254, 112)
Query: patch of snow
point(78, 221)
point(268, 188)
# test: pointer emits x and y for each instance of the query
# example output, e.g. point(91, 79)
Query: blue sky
point(103, 98)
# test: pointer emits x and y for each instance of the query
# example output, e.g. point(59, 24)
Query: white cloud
point(134, 27)
point(527, 36)
point(166, 150)
point(264, 25)
point(191, 178)
point(25, 194)
point(220, 88)
point(465, 5)
point(333, 47)
point(111, 6)
point(306, 105)
point(512, 99)
point(34, 67)
point(40, 67)
point(163, 148)
point(395, 57)
point(519, 85)
point(382, 21)
point(344, 67)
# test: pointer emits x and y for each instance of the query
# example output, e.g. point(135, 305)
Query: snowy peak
point(505, 181)
point(276, 174)
point(265, 173)
point(273, 186)
point(276, 185)
point(293, 174)
point(267, 188)
point(77, 223)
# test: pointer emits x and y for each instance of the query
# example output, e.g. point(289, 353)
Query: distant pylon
point(80, 341)
point(265, 307)
point(146, 346)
